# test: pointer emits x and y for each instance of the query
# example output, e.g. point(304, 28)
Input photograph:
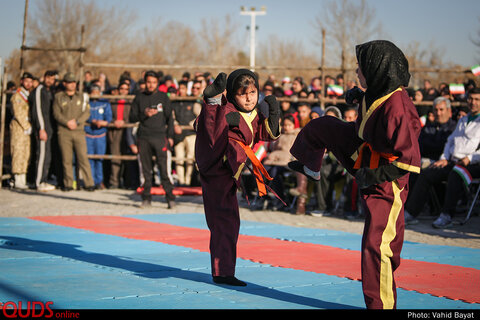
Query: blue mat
point(77, 269)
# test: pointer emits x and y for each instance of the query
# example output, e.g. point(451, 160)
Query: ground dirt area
point(14, 203)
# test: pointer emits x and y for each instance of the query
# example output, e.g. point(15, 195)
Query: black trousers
point(43, 159)
point(433, 176)
point(147, 148)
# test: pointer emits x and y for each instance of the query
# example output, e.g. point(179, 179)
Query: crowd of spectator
point(37, 112)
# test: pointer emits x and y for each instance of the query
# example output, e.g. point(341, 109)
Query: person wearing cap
point(41, 102)
point(71, 110)
point(20, 130)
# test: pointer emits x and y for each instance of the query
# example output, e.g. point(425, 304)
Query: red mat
point(178, 191)
point(441, 280)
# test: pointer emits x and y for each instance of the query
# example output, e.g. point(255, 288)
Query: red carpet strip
point(441, 280)
point(178, 191)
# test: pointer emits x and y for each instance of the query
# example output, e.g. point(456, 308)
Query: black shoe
point(229, 280)
point(91, 188)
point(66, 189)
point(298, 167)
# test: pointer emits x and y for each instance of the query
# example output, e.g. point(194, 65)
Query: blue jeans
point(97, 145)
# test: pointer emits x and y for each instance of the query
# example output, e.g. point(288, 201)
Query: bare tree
point(57, 24)
point(476, 41)
point(219, 39)
point(169, 43)
point(286, 53)
point(347, 23)
point(429, 56)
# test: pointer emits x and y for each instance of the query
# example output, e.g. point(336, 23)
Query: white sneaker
point(45, 187)
point(20, 181)
point(320, 213)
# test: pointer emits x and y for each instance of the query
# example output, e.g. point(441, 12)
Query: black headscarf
point(384, 66)
point(232, 77)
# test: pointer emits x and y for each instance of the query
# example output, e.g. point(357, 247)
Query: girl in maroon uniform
point(227, 127)
point(380, 149)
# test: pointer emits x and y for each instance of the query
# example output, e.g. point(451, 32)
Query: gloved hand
point(366, 177)
point(273, 114)
point(233, 119)
point(217, 87)
point(354, 95)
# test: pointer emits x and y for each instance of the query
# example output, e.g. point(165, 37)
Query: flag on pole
point(456, 88)
point(334, 90)
point(476, 70)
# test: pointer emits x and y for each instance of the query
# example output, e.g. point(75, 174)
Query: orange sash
point(374, 158)
point(258, 168)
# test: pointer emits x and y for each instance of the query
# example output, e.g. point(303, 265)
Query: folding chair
point(474, 200)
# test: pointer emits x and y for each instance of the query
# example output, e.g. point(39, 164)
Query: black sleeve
point(33, 110)
point(167, 113)
point(134, 111)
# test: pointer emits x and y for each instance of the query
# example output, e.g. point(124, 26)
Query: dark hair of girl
point(242, 83)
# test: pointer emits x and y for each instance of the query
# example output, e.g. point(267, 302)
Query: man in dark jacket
point(41, 102)
point(152, 109)
point(434, 135)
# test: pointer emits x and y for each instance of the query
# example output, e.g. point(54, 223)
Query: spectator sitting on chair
point(434, 134)
point(458, 164)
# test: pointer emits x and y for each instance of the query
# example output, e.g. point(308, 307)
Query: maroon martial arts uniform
point(221, 158)
point(383, 145)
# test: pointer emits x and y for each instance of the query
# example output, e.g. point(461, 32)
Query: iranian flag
point(423, 120)
point(334, 90)
point(456, 88)
point(476, 70)
point(464, 174)
point(260, 150)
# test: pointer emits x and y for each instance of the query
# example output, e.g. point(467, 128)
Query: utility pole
point(253, 13)
point(22, 49)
